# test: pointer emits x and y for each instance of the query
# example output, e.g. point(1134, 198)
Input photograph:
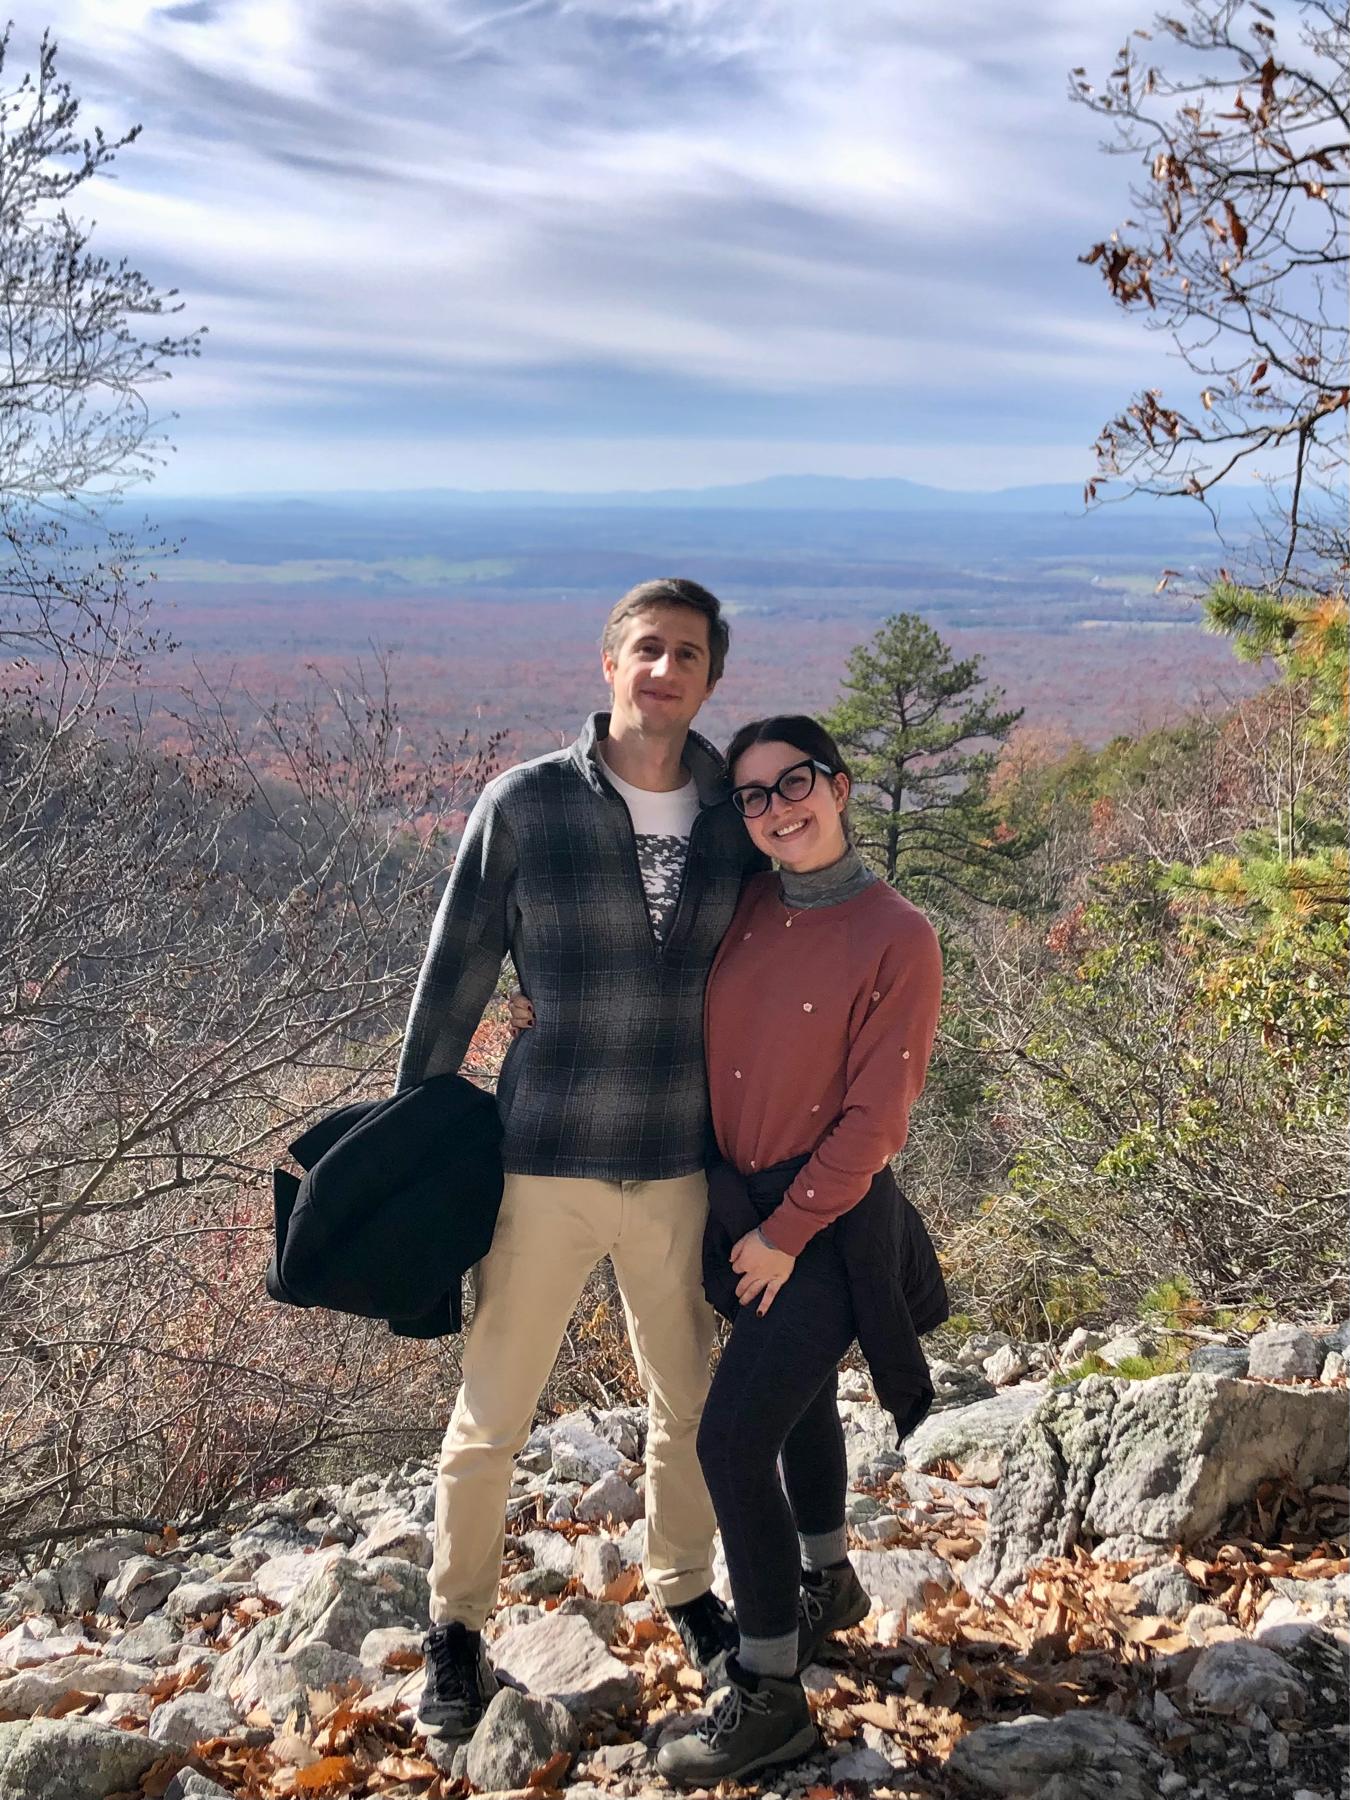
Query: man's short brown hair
point(669, 591)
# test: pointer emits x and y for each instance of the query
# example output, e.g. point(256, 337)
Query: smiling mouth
point(787, 831)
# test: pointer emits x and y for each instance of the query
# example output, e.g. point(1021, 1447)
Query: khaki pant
point(551, 1232)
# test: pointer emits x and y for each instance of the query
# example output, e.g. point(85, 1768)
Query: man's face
point(659, 674)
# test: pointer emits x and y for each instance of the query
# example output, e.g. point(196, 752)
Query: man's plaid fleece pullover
point(610, 1083)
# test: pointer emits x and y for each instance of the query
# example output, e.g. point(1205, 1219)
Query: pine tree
point(921, 733)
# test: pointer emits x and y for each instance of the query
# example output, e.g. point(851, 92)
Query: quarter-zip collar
point(700, 757)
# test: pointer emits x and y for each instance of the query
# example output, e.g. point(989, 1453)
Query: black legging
point(774, 1396)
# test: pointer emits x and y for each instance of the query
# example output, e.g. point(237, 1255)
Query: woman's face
point(800, 834)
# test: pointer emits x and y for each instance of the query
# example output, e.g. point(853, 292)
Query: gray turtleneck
point(828, 886)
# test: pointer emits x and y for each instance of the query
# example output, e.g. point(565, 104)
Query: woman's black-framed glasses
point(795, 783)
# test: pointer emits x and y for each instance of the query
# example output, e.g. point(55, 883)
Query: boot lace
point(725, 1718)
point(812, 1602)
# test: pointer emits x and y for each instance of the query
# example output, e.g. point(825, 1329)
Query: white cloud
point(669, 210)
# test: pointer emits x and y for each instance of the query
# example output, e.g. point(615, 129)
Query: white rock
point(1005, 1366)
point(580, 1454)
point(563, 1659)
point(597, 1565)
point(27, 1647)
point(1079, 1343)
point(610, 1499)
point(395, 1534)
point(190, 1719)
point(1335, 1366)
point(139, 1586)
point(281, 1578)
point(1127, 1344)
point(896, 1579)
point(1229, 1678)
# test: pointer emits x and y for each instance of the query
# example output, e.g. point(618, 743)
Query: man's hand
point(762, 1270)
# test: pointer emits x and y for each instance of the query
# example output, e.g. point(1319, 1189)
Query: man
point(609, 875)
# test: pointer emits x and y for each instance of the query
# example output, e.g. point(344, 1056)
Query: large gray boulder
point(41, 1759)
point(1285, 1353)
point(518, 1734)
point(1162, 1460)
point(1082, 1756)
point(563, 1659)
point(343, 1602)
point(1235, 1676)
point(975, 1437)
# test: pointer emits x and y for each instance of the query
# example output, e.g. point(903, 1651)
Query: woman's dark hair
point(803, 733)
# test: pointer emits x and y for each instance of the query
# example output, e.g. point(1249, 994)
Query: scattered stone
point(281, 1684)
point(28, 1646)
point(280, 1578)
point(580, 1454)
point(1285, 1353)
point(43, 1758)
point(395, 1534)
point(885, 1529)
point(1230, 1678)
point(560, 1511)
point(1005, 1366)
point(1219, 1359)
point(597, 1565)
point(189, 1719)
point(632, 1546)
point(1335, 1367)
point(1166, 1592)
point(1204, 1620)
point(389, 1640)
point(954, 1385)
point(518, 1734)
point(981, 1345)
point(1128, 1344)
point(974, 1437)
point(189, 1784)
point(530, 1586)
point(1079, 1343)
point(610, 1499)
point(1017, 1759)
point(155, 1640)
point(139, 1586)
point(1165, 1459)
point(603, 1616)
point(896, 1579)
point(550, 1550)
point(190, 1599)
point(343, 1601)
point(859, 1508)
point(620, 1759)
point(40, 1688)
point(562, 1659)
point(861, 1765)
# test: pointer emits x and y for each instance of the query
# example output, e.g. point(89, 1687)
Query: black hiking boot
point(459, 1681)
point(830, 1600)
point(708, 1633)
point(755, 1722)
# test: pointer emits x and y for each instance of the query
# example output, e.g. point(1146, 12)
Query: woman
point(819, 1020)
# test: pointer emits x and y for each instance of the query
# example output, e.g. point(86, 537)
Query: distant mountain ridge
point(773, 493)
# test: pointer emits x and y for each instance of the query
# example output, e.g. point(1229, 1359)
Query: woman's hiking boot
point(755, 1722)
point(830, 1600)
point(708, 1633)
point(459, 1681)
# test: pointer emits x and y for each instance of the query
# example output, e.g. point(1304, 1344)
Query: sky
point(581, 244)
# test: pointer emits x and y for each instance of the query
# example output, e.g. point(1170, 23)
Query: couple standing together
point(720, 1064)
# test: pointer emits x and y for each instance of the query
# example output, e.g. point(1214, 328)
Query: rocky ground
point(1085, 1589)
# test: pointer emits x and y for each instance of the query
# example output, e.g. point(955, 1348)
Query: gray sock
point(823, 1548)
point(769, 1656)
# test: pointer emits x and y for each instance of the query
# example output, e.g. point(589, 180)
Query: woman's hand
point(520, 1010)
point(762, 1270)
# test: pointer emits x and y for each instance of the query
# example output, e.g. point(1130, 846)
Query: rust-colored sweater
point(819, 1023)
